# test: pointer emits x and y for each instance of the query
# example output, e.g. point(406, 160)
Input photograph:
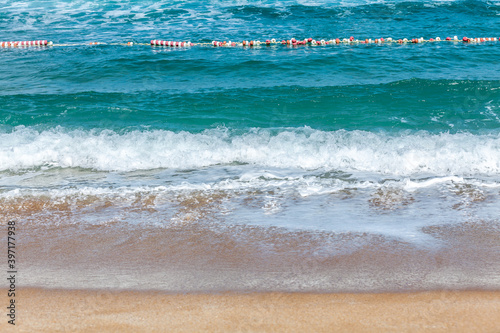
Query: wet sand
point(187, 276)
point(42, 310)
point(203, 257)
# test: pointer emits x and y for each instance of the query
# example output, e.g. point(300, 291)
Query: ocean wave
point(434, 105)
point(460, 154)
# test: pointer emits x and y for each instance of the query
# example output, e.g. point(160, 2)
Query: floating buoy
point(25, 43)
point(157, 42)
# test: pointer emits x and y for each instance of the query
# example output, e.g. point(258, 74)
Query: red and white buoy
point(157, 42)
point(25, 43)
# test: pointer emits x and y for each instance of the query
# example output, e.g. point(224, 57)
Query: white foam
point(414, 185)
point(307, 149)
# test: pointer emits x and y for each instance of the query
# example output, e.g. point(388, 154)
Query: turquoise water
point(375, 138)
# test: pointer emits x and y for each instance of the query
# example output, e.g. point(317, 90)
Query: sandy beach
point(42, 310)
point(100, 278)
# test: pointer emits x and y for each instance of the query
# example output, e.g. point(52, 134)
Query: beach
point(100, 311)
point(188, 278)
point(195, 257)
point(189, 275)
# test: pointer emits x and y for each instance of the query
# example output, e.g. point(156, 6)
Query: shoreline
point(56, 310)
point(213, 257)
point(117, 277)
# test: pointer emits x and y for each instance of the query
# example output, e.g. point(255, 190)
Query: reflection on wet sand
point(215, 256)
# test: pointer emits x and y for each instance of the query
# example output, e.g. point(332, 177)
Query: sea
point(347, 167)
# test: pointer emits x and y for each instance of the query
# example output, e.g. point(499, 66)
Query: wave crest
point(349, 151)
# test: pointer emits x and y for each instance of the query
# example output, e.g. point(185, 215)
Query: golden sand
point(41, 310)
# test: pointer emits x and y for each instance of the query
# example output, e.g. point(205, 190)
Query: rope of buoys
point(256, 43)
point(351, 40)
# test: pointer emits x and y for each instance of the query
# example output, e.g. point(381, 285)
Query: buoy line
point(256, 43)
point(351, 40)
